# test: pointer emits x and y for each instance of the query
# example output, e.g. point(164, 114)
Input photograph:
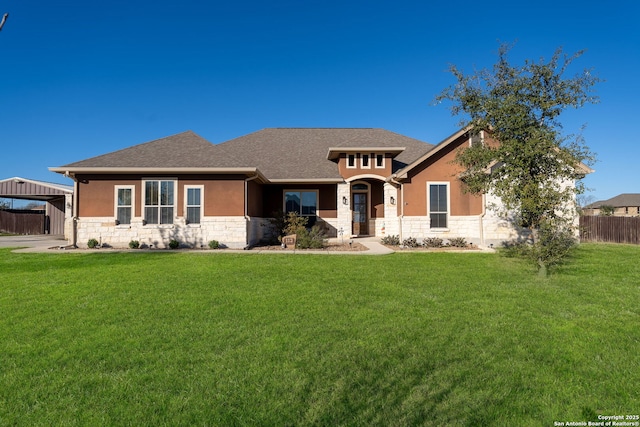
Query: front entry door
point(360, 221)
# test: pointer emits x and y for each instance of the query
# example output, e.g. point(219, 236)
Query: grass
point(406, 339)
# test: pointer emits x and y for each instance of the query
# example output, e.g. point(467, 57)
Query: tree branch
point(4, 19)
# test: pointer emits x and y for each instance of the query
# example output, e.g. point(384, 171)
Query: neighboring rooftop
point(619, 201)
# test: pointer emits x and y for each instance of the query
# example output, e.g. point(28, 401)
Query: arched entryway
point(360, 201)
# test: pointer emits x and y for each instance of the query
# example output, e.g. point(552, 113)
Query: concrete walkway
point(34, 243)
point(51, 244)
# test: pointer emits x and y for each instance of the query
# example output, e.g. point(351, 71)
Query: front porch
point(367, 207)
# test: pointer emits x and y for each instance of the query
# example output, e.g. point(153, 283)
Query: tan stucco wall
point(223, 195)
point(440, 168)
point(348, 173)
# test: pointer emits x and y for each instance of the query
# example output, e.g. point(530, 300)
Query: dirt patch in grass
point(346, 247)
point(427, 249)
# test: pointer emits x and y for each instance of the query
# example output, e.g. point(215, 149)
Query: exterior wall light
point(345, 201)
point(392, 200)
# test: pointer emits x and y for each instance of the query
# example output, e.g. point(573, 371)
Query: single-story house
point(353, 182)
point(627, 204)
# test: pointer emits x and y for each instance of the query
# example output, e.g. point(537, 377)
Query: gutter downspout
point(484, 212)
point(74, 211)
point(246, 209)
point(400, 218)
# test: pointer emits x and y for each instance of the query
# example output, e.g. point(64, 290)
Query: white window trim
point(362, 156)
point(355, 161)
point(300, 190)
point(376, 160)
point(480, 134)
point(186, 202)
point(448, 184)
point(175, 200)
point(133, 201)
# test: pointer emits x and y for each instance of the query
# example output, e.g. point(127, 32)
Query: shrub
point(294, 224)
point(92, 243)
point(458, 242)
point(410, 242)
point(311, 239)
point(174, 244)
point(134, 244)
point(392, 240)
point(432, 242)
point(214, 244)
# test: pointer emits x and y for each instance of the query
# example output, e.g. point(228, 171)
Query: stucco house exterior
point(354, 182)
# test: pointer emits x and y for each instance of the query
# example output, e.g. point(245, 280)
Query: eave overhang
point(403, 173)
point(72, 171)
point(306, 180)
point(334, 152)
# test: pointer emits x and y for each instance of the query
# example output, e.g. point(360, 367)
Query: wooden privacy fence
point(613, 229)
point(22, 222)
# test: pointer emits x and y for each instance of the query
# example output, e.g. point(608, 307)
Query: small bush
point(134, 244)
point(458, 242)
point(432, 242)
point(294, 224)
point(393, 240)
point(92, 243)
point(174, 244)
point(410, 242)
point(311, 239)
point(214, 244)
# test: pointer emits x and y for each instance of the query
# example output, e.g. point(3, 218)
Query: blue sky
point(83, 78)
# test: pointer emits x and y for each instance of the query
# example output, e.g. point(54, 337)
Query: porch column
point(391, 224)
point(344, 210)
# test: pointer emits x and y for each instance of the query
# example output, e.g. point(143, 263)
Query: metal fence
point(612, 229)
point(22, 222)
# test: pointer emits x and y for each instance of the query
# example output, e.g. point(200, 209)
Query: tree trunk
point(542, 265)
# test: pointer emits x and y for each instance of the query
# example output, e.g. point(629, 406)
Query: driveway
point(34, 243)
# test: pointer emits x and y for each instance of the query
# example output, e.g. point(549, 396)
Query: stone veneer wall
point(229, 231)
point(484, 231)
point(344, 211)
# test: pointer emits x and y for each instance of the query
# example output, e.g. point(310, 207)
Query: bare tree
point(4, 19)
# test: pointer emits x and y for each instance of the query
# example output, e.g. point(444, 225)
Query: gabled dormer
point(355, 161)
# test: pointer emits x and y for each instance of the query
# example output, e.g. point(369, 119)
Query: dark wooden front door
point(360, 220)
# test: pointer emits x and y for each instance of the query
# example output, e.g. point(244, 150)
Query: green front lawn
point(232, 339)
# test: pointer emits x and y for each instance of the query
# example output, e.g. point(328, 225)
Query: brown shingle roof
point(279, 153)
point(619, 201)
point(185, 149)
point(301, 153)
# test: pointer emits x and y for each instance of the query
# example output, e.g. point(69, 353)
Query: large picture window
point(159, 202)
point(194, 204)
point(124, 204)
point(304, 203)
point(438, 205)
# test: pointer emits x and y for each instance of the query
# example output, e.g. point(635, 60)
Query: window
point(304, 203)
point(379, 160)
point(351, 160)
point(124, 204)
point(438, 205)
point(365, 161)
point(194, 204)
point(476, 138)
point(159, 202)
